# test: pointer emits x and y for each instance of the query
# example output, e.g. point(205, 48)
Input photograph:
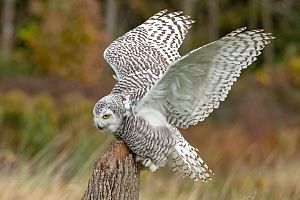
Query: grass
point(47, 151)
point(273, 179)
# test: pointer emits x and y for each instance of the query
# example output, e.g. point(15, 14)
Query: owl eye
point(105, 116)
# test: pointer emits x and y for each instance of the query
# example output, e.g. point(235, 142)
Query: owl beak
point(100, 127)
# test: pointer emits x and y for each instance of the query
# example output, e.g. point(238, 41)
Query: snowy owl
point(159, 91)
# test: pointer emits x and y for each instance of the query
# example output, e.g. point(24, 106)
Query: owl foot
point(147, 163)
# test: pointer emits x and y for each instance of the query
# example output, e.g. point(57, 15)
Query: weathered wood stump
point(115, 175)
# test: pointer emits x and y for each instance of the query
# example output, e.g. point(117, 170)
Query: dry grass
point(274, 179)
point(23, 186)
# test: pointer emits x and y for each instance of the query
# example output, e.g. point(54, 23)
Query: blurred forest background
point(52, 72)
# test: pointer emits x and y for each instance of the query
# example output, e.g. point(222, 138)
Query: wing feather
point(156, 40)
point(194, 86)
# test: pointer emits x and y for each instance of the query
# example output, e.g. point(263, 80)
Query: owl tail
point(187, 162)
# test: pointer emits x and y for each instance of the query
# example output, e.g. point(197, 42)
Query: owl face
point(106, 117)
point(107, 121)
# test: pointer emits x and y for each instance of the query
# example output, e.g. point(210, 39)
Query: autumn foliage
point(64, 38)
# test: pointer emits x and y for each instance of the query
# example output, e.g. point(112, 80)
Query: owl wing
point(193, 86)
point(150, 47)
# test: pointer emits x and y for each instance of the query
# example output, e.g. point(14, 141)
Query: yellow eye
point(105, 116)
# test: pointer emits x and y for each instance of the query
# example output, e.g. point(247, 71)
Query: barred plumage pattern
point(209, 72)
point(146, 141)
point(158, 90)
point(142, 55)
point(159, 38)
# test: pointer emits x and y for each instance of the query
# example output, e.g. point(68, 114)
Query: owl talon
point(147, 162)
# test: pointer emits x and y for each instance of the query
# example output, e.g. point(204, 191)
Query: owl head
point(108, 113)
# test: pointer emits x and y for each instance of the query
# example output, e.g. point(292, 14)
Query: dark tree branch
point(115, 175)
point(111, 18)
point(268, 26)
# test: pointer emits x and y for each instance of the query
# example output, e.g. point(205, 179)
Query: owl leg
point(148, 163)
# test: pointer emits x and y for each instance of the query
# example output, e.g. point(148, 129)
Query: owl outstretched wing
point(193, 86)
point(150, 47)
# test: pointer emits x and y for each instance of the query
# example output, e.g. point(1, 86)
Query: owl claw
point(149, 164)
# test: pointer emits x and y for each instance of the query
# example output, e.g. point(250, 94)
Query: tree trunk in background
point(115, 176)
point(111, 18)
point(268, 26)
point(213, 18)
point(253, 15)
point(187, 7)
point(8, 13)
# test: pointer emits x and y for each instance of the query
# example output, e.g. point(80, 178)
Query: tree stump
point(115, 175)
